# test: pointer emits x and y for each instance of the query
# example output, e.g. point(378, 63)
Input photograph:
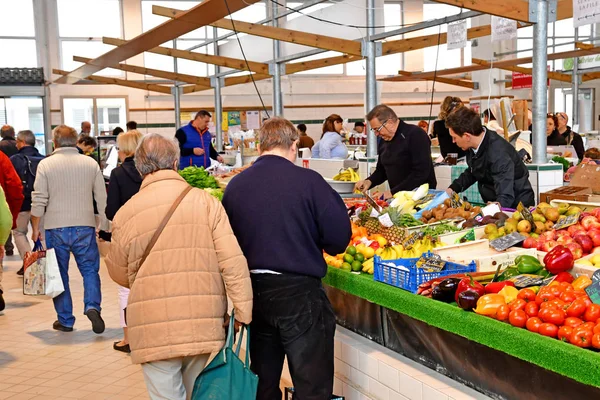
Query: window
point(104, 113)
point(78, 35)
point(444, 58)
point(17, 34)
point(24, 113)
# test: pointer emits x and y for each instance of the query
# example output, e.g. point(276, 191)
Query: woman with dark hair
point(331, 145)
point(442, 133)
point(573, 138)
point(553, 137)
point(117, 130)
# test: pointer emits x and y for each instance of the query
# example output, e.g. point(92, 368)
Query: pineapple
point(373, 226)
point(395, 233)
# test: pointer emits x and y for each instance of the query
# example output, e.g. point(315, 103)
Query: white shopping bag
point(54, 283)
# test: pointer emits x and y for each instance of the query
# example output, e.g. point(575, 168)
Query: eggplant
point(438, 294)
point(449, 286)
point(467, 300)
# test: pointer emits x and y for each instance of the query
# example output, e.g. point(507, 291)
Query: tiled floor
point(37, 362)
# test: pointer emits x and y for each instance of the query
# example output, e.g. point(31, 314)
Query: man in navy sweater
point(284, 217)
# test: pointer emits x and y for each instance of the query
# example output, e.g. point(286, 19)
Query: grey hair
point(26, 137)
point(154, 153)
point(64, 136)
point(277, 133)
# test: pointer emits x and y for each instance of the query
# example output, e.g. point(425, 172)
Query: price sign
point(526, 280)
point(585, 12)
point(455, 201)
point(526, 214)
point(424, 200)
point(594, 292)
point(385, 220)
point(457, 35)
point(596, 276)
point(503, 29)
point(374, 213)
point(507, 241)
point(468, 237)
point(565, 221)
point(431, 262)
point(409, 242)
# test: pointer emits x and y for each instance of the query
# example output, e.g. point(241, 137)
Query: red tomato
point(559, 304)
point(502, 312)
point(592, 313)
point(549, 330)
point(532, 309)
point(517, 304)
point(596, 341)
point(548, 304)
point(533, 324)
point(581, 337)
point(588, 325)
point(554, 290)
point(518, 318)
point(573, 322)
point(564, 333)
point(526, 294)
point(596, 329)
point(544, 297)
point(565, 286)
point(577, 308)
point(567, 297)
point(552, 316)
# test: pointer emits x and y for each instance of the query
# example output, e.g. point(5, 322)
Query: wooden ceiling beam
point(293, 68)
point(271, 32)
point(513, 9)
point(448, 81)
point(235, 63)
point(174, 76)
point(121, 82)
point(557, 76)
point(584, 46)
point(231, 81)
point(201, 15)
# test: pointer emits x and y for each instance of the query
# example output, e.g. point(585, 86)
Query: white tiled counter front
point(366, 370)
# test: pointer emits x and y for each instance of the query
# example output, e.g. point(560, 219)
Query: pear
point(551, 214)
point(524, 226)
point(563, 208)
point(573, 210)
point(549, 225)
point(490, 228)
point(543, 205)
point(517, 216)
point(538, 217)
point(539, 227)
point(510, 226)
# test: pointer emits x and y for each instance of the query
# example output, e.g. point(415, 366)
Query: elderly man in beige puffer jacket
point(178, 297)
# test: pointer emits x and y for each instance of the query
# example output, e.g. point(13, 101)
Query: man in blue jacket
point(284, 217)
point(195, 142)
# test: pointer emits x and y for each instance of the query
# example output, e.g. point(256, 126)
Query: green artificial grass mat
point(582, 365)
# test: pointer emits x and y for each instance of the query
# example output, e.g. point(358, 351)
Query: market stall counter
point(492, 357)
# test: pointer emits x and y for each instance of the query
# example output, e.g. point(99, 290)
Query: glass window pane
point(18, 18)
point(392, 17)
point(89, 49)
point(26, 113)
point(22, 53)
point(74, 18)
point(114, 111)
point(77, 110)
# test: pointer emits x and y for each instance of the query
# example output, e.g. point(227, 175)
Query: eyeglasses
point(378, 130)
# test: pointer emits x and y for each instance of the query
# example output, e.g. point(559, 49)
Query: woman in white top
point(331, 145)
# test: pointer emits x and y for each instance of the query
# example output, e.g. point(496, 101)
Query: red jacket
point(12, 186)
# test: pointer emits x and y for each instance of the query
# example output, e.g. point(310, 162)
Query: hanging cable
point(246, 61)
point(437, 55)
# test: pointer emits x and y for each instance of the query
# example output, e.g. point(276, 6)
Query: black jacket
point(21, 165)
point(499, 172)
point(574, 139)
point(8, 146)
point(446, 144)
point(405, 161)
point(125, 182)
point(556, 139)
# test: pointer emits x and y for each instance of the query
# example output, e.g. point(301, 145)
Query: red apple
point(549, 245)
point(563, 232)
point(596, 212)
point(565, 240)
point(586, 243)
point(585, 214)
point(590, 222)
point(548, 235)
point(530, 243)
point(574, 229)
point(576, 249)
point(594, 234)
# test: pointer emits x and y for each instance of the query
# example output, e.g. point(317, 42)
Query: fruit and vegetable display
point(199, 178)
point(445, 211)
point(347, 175)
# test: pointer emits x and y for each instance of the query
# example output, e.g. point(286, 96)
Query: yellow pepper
point(582, 282)
point(510, 293)
point(488, 304)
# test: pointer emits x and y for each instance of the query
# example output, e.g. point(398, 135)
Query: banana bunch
point(392, 253)
point(348, 175)
point(368, 266)
point(398, 251)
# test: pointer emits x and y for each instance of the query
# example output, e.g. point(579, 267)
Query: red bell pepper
point(495, 287)
point(564, 277)
point(559, 259)
point(469, 284)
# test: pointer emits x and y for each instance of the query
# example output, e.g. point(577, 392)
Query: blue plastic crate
point(407, 276)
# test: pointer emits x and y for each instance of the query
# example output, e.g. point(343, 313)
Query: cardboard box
point(584, 186)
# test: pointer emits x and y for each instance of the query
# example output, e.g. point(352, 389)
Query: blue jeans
point(81, 241)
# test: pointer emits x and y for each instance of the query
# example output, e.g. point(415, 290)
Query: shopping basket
point(404, 273)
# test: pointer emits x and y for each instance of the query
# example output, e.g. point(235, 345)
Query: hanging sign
point(503, 29)
point(585, 12)
point(457, 35)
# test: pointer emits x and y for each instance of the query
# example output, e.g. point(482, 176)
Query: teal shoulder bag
point(227, 377)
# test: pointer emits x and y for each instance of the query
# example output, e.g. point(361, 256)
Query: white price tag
point(386, 221)
point(457, 35)
point(374, 213)
point(503, 29)
point(585, 12)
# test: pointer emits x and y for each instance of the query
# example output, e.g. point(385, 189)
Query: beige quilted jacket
point(178, 297)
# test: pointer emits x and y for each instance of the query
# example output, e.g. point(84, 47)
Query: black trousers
point(292, 317)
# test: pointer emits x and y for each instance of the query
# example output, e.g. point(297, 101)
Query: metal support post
point(277, 95)
point(176, 93)
point(371, 76)
point(540, 76)
point(575, 78)
point(218, 117)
